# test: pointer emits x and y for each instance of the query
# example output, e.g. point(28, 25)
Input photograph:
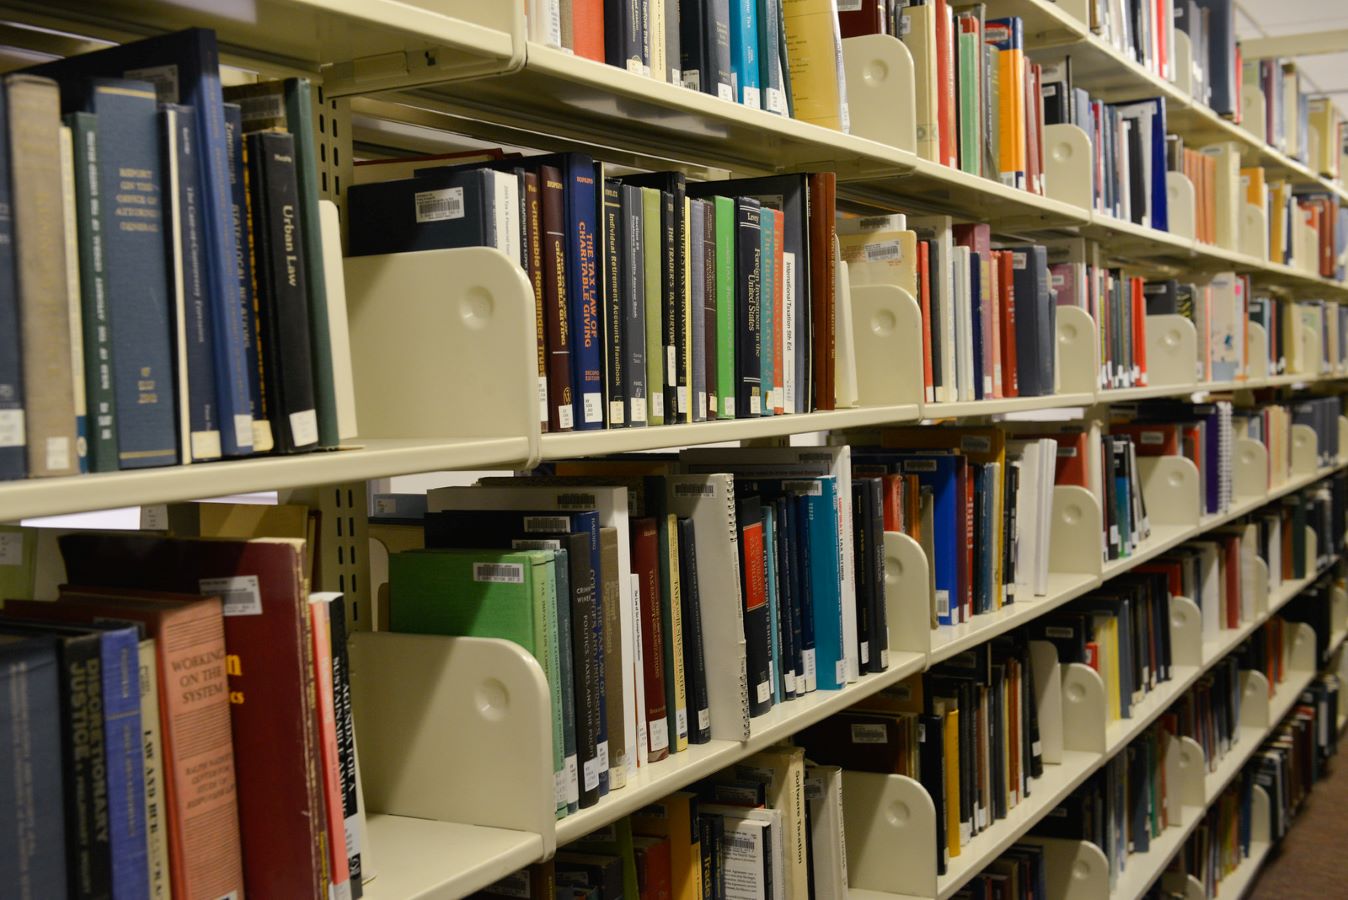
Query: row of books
point(1307, 128)
point(783, 56)
point(167, 298)
point(181, 723)
point(1301, 336)
point(1021, 871)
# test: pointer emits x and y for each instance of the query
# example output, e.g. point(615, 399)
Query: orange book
point(892, 494)
point(1007, 37)
point(1139, 332)
point(321, 631)
point(912, 507)
point(587, 29)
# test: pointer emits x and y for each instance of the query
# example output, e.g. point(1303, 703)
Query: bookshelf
point(467, 68)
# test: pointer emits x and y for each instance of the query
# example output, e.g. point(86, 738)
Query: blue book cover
point(243, 267)
point(987, 490)
point(804, 591)
point(744, 51)
point(138, 273)
point(119, 652)
point(976, 322)
point(825, 577)
point(185, 68)
point(30, 784)
point(775, 666)
point(938, 472)
point(769, 74)
point(767, 287)
point(186, 248)
point(13, 461)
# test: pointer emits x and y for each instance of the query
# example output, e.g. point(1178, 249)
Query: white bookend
point(828, 850)
point(334, 278)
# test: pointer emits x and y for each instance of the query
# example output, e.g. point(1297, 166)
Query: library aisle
point(1310, 863)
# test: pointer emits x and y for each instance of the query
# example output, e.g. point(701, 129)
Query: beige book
point(784, 769)
point(920, 39)
point(812, 51)
point(343, 381)
point(73, 296)
point(877, 253)
point(40, 266)
point(156, 822)
point(655, 40)
point(1227, 192)
point(678, 710)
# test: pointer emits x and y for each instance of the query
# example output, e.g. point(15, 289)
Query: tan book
point(784, 768)
point(813, 49)
point(611, 598)
point(1226, 193)
point(876, 252)
point(156, 810)
point(676, 686)
point(40, 266)
point(920, 38)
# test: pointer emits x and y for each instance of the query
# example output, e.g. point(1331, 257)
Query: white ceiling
point(1323, 74)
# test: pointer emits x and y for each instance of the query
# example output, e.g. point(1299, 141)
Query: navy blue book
point(1035, 321)
point(13, 450)
point(30, 782)
point(442, 208)
point(1221, 67)
point(976, 322)
point(243, 267)
point(580, 177)
point(193, 59)
point(282, 295)
point(625, 35)
point(748, 307)
point(615, 280)
point(123, 739)
point(138, 273)
point(186, 247)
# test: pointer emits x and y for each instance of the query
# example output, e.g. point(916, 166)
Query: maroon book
point(271, 684)
point(646, 565)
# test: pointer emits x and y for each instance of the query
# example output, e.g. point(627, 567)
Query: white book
point(1048, 461)
point(506, 187)
point(754, 851)
point(172, 203)
point(845, 367)
point(73, 296)
point(789, 402)
point(964, 327)
point(545, 22)
point(334, 278)
point(828, 847)
point(1211, 601)
point(611, 504)
point(655, 39)
point(1027, 514)
point(803, 462)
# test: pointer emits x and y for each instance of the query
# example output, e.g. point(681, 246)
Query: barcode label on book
point(692, 79)
point(265, 108)
point(658, 404)
point(499, 573)
point(591, 774)
point(725, 91)
point(239, 594)
point(976, 443)
point(438, 206)
point(814, 789)
point(849, 6)
point(919, 465)
point(943, 603)
point(703, 719)
point(576, 501)
point(869, 733)
point(751, 99)
point(763, 691)
point(806, 488)
point(601, 754)
point(659, 731)
point(684, 489)
point(884, 251)
point(11, 428)
point(617, 415)
point(544, 524)
point(681, 722)
point(639, 410)
point(11, 548)
point(572, 781)
point(1151, 438)
point(1057, 631)
point(593, 407)
point(304, 427)
point(164, 79)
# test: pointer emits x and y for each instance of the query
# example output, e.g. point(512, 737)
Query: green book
point(653, 243)
point(970, 106)
point(767, 225)
point(725, 308)
point(101, 402)
point(295, 113)
point(511, 595)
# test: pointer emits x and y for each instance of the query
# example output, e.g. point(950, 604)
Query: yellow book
point(813, 49)
point(1323, 147)
point(675, 690)
point(1256, 189)
point(920, 38)
point(1107, 644)
point(1226, 191)
point(1277, 221)
point(672, 817)
point(784, 768)
point(952, 780)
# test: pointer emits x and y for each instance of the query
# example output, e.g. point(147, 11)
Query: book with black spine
point(758, 640)
point(633, 321)
point(694, 660)
point(615, 282)
point(748, 307)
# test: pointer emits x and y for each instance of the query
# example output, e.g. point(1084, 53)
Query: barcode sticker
point(763, 692)
point(1057, 631)
point(617, 415)
point(659, 732)
point(239, 594)
point(692, 79)
point(919, 465)
point(639, 410)
point(849, 6)
point(694, 489)
point(975, 443)
point(438, 205)
point(1151, 438)
point(814, 789)
point(11, 548)
point(681, 722)
point(564, 416)
point(244, 431)
point(725, 91)
point(703, 719)
point(751, 99)
point(840, 671)
point(601, 754)
point(591, 771)
point(499, 573)
point(11, 428)
point(264, 109)
point(870, 733)
point(671, 365)
point(304, 427)
point(943, 603)
point(154, 517)
point(572, 780)
point(658, 404)
point(884, 251)
point(808, 488)
point(545, 524)
point(58, 453)
point(164, 79)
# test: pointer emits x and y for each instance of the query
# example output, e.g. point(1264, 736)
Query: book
point(675, 818)
point(70, 231)
point(694, 658)
point(320, 622)
point(625, 41)
point(281, 290)
point(826, 847)
point(156, 810)
point(348, 774)
point(40, 246)
point(744, 52)
point(814, 54)
point(757, 632)
point(748, 307)
point(645, 559)
point(652, 241)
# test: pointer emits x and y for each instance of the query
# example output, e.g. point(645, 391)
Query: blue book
point(119, 652)
point(183, 234)
point(804, 591)
point(769, 73)
point(243, 267)
point(185, 68)
point(1117, 608)
point(13, 462)
point(138, 273)
point(775, 662)
point(825, 577)
point(30, 783)
point(938, 472)
point(767, 286)
point(744, 51)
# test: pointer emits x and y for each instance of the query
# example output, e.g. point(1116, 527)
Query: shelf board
point(421, 859)
point(679, 770)
point(1238, 883)
point(1163, 537)
point(372, 459)
point(1141, 870)
point(1121, 732)
point(947, 641)
point(967, 408)
point(622, 440)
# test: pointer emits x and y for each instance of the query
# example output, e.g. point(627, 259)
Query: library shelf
point(1238, 883)
point(1252, 736)
point(373, 458)
point(1142, 869)
point(423, 859)
point(962, 409)
point(1121, 732)
point(950, 640)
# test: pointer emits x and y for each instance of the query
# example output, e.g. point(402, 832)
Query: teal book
point(511, 595)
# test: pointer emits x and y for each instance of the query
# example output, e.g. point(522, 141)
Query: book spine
point(73, 298)
point(683, 307)
point(758, 641)
point(561, 408)
point(634, 306)
point(671, 302)
point(615, 348)
point(585, 661)
point(196, 373)
point(125, 755)
point(769, 75)
point(352, 818)
point(156, 813)
point(282, 291)
point(782, 328)
point(748, 307)
point(709, 301)
point(652, 243)
point(611, 613)
point(97, 337)
point(40, 266)
point(532, 218)
point(721, 78)
point(243, 266)
point(699, 717)
point(744, 51)
point(645, 559)
point(671, 624)
point(693, 70)
point(13, 449)
point(766, 306)
point(320, 621)
point(726, 243)
point(88, 852)
point(695, 305)
point(583, 292)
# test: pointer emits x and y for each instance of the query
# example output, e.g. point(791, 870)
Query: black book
point(625, 35)
point(804, 591)
point(709, 305)
point(748, 308)
point(634, 307)
point(931, 766)
point(997, 740)
point(1035, 321)
point(88, 848)
point(283, 299)
point(1162, 297)
point(713, 847)
point(694, 660)
point(1138, 189)
point(1111, 516)
point(615, 283)
point(864, 601)
point(880, 609)
point(788, 617)
point(757, 623)
point(1012, 485)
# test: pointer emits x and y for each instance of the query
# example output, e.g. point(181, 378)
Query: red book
point(1152, 440)
point(912, 507)
point(1172, 569)
point(271, 684)
point(945, 99)
point(1231, 550)
point(646, 565)
point(587, 29)
point(1071, 464)
point(1093, 655)
point(1139, 331)
point(1007, 302)
point(924, 301)
point(1034, 170)
point(892, 493)
point(778, 311)
point(823, 286)
point(321, 631)
point(653, 867)
point(867, 17)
